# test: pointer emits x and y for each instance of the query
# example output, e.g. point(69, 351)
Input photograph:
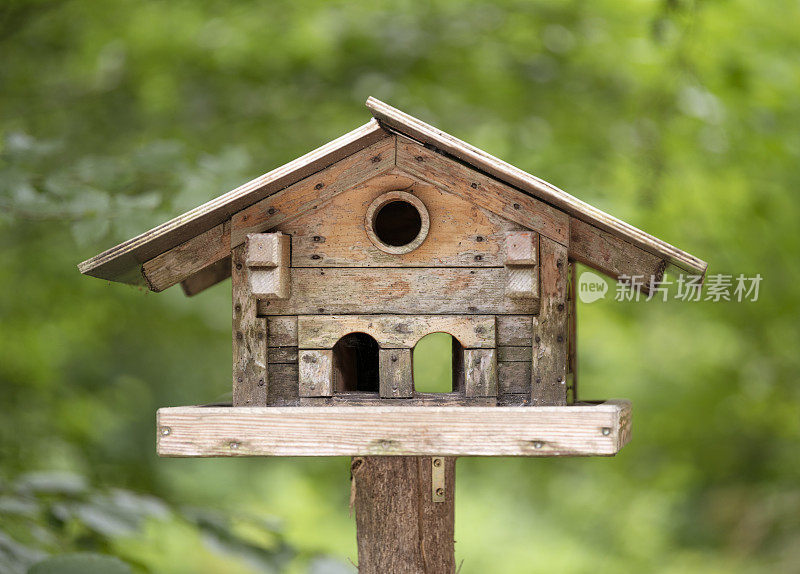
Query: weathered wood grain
point(480, 372)
point(122, 262)
point(395, 373)
point(178, 263)
point(549, 385)
point(311, 193)
point(315, 372)
point(207, 277)
point(343, 399)
point(393, 502)
point(389, 430)
point(613, 256)
point(191, 257)
point(268, 260)
point(282, 331)
point(572, 341)
point(440, 290)
point(461, 234)
point(522, 282)
point(514, 377)
point(521, 261)
point(279, 355)
point(484, 162)
point(481, 190)
point(515, 354)
point(250, 380)
point(521, 248)
point(283, 385)
point(514, 400)
point(514, 330)
point(395, 331)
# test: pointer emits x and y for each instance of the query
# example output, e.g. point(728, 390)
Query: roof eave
point(482, 161)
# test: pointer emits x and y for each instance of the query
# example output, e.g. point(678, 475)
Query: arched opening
point(437, 361)
point(355, 364)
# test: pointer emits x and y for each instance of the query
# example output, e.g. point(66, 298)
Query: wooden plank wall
point(337, 272)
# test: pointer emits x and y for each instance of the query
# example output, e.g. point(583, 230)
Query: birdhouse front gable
point(343, 260)
point(394, 257)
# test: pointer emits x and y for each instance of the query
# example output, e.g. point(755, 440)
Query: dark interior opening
point(355, 364)
point(397, 223)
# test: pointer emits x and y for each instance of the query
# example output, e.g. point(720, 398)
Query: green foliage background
point(679, 117)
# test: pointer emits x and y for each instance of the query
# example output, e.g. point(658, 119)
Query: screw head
point(538, 444)
point(234, 445)
point(165, 431)
point(440, 492)
point(437, 462)
point(606, 431)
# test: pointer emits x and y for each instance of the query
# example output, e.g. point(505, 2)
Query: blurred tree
point(677, 116)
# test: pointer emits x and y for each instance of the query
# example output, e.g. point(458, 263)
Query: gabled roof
point(591, 229)
point(482, 161)
point(123, 262)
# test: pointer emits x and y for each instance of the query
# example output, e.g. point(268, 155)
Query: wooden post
point(400, 528)
point(551, 329)
point(572, 342)
point(249, 339)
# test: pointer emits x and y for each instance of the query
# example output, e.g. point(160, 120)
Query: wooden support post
point(315, 373)
point(400, 528)
point(480, 372)
point(249, 339)
point(550, 328)
point(394, 366)
point(572, 353)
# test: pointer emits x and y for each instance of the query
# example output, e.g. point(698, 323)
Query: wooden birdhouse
point(342, 260)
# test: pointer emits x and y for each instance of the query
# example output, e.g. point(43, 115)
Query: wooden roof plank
point(482, 161)
point(179, 263)
point(122, 262)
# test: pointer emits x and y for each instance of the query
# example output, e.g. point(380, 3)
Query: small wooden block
point(267, 257)
point(396, 380)
point(315, 373)
point(521, 260)
point(522, 282)
point(521, 247)
point(480, 372)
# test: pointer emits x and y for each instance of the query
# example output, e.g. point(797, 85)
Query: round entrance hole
point(397, 222)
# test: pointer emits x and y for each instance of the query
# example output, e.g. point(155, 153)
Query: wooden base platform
point(600, 429)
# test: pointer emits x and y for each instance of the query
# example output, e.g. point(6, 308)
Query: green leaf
point(83, 563)
point(52, 483)
point(16, 557)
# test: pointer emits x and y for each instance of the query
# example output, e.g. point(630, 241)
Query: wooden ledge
point(582, 430)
